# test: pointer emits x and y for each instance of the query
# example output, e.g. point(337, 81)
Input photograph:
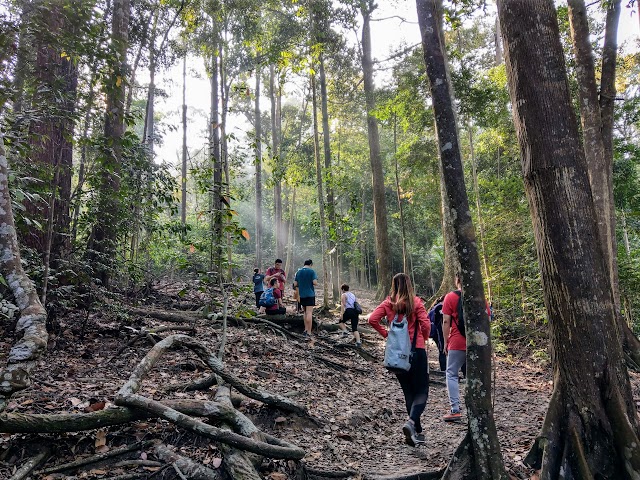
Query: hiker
point(276, 308)
point(403, 303)
point(278, 273)
point(435, 316)
point(305, 281)
point(455, 346)
point(348, 311)
point(258, 285)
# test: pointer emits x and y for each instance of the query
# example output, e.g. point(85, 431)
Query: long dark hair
point(401, 294)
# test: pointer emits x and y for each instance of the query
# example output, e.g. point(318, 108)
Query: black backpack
point(460, 322)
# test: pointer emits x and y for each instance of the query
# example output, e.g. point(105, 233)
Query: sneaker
point(345, 333)
point(409, 431)
point(358, 344)
point(306, 336)
point(452, 417)
point(419, 439)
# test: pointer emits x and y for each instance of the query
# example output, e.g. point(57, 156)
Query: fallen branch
point(30, 465)
point(190, 468)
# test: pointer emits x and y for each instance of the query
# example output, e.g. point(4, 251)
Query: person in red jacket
point(414, 383)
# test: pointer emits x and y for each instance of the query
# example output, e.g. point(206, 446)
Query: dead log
point(31, 327)
point(190, 468)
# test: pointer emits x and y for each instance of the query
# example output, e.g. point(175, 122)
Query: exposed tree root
point(191, 469)
point(461, 463)
point(431, 475)
point(589, 445)
point(96, 458)
point(127, 396)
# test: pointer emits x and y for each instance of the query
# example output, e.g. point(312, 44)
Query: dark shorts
point(308, 301)
point(352, 315)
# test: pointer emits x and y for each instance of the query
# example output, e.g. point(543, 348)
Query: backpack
point(357, 308)
point(460, 322)
point(399, 349)
point(267, 299)
point(435, 317)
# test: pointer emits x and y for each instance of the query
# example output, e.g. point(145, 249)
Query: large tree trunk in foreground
point(383, 253)
point(481, 457)
point(591, 429)
point(32, 324)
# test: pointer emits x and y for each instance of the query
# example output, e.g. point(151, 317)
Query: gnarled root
point(601, 444)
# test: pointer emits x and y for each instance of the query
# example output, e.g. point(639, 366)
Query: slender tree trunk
point(383, 253)
point(183, 178)
point(323, 226)
point(258, 165)
point(136, 61)
point(480, 450)
point(591, 427)
point(103, 235)
point(331, 206)
point(405, 262)
point(216, 160)
point(288, 266)
point(277, 165)
point(476, 188)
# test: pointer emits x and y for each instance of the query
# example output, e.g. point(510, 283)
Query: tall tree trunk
point(136, 61)
point(56, 74)
point(277, 165)
point(103, 235)
point(405, 262)
point(31, 329)
point(480, 450)
point(591, 428)
point(383, 253)
point(183, 177)
point(216, 161)
point(323, 225)
point(258, 165)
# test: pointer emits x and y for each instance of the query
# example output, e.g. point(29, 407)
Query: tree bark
point(185, 153)
point(484, 448)
point(57, 77)
point(383, 253)
point(31, 328)
point(328, 176)
point(103, 235)
point(591, 428)
point(323, 226)
point(258, 165)
point(278, 167)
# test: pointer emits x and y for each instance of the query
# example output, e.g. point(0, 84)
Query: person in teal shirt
point(305, 280)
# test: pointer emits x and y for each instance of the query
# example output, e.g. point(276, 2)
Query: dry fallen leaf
point(216, 462)
point(101, 438)
point(102, 449)
point(75, 401)
point(94, 407)
point(277, 476)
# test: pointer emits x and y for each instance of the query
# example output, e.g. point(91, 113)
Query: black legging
point(415, 386)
